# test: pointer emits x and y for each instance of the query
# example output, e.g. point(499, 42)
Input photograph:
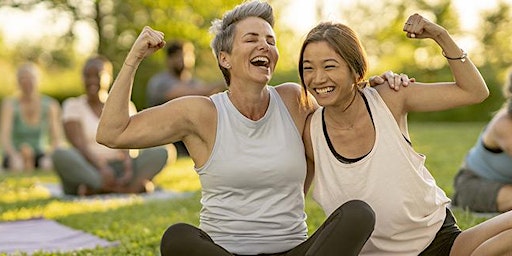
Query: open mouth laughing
point(324, 90)
point(260, 61)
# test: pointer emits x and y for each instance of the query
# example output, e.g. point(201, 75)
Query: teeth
point(265, 60)
point(324, 90)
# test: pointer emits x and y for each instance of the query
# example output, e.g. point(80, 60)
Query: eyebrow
point(256, 34)
point(325, 60)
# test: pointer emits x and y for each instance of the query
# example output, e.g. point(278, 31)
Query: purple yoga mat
point(40, 234)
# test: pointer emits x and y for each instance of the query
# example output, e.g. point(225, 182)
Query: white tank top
point(252, 196)
point(409, 207)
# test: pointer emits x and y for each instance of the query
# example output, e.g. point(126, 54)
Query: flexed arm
point(469, 86)
point(115, 118)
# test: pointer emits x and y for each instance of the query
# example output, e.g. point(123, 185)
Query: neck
point(252, 104)
point(28, 97)
point(345, 117)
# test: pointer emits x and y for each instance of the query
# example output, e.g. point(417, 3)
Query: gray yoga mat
point(30, 236)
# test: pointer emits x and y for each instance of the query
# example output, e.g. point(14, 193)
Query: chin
point(324, 102)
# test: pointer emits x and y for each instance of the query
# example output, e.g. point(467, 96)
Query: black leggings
point(344, 233)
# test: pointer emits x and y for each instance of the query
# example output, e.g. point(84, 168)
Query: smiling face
point(254, 54)
point(327, 75)
point(96, 77)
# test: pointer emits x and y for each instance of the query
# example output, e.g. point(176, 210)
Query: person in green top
point(30, 127)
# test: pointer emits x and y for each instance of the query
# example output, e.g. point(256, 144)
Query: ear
point(357, 77)
point(224, 60)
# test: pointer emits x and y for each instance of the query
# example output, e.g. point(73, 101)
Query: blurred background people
point(484, 181)
point(178, 80)
point(31, 127)
point(88, 167)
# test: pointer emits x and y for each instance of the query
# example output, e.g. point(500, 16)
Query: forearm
point(93, 159)
point(466, 75)
point(7, 146)
point(56, 132)
point(116, 115)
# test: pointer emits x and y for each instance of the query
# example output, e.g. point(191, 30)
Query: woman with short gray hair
point(247, 147)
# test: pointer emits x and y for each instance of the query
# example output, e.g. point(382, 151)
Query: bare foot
point(142, 186)
point(83, 190)
point(149, 186)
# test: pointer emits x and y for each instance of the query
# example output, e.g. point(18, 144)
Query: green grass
point(139, 225)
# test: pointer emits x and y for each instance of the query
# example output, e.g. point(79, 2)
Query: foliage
point(117, 24)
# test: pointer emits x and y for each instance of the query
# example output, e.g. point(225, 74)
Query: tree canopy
point(117, 23)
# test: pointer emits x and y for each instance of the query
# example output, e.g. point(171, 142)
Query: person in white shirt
point(358, 145)
point(246, 144)
point(88, 167)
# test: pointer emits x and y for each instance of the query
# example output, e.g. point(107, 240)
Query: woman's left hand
point(394, 80)
point(419, 27)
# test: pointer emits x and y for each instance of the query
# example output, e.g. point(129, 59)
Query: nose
point(263, 46)
point(319, 77)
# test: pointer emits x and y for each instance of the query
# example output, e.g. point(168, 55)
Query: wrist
point(442, 37)
point(132, 61)
point(462, 56)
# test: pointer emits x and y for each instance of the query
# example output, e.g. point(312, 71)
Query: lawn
point(138, 224)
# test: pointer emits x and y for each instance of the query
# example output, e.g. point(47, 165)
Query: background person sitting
point(31, 127)
point(88, 167)
point(484, 181)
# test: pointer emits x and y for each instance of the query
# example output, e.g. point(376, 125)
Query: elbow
point(105, 139)
point(484, 94)
point(102, 139)
point(479, 95)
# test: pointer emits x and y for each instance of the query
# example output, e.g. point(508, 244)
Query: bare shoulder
point(289, 90)
point(192, 109)
point(501, 123)
point(291, 94)
point(53, 103)
point(386, 91)
point(391, 97)
point(8, 103)
point(191, 104)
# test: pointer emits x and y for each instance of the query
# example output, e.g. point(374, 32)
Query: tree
point(380, 27)
point(118, 23)
point(495, 50)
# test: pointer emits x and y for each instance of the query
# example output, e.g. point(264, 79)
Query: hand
point(417, 26)
point(148, 42)
point(127, 175)
point(394, 80)
point(107, 174)
point(15, 162)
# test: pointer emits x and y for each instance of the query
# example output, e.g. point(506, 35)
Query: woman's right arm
point(56, 129)
point(310, 159)
point(152, 127)
point(6, 127)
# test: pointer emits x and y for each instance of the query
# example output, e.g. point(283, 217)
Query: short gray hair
point(224, 29)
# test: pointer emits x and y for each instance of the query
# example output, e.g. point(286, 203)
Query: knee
point(162, 154)
point(59, 154)
point(359, 212)
point(158, 154)
point(175, 237)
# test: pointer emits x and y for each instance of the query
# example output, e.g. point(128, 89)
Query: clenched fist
point(148, 42)
point(417, 26)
